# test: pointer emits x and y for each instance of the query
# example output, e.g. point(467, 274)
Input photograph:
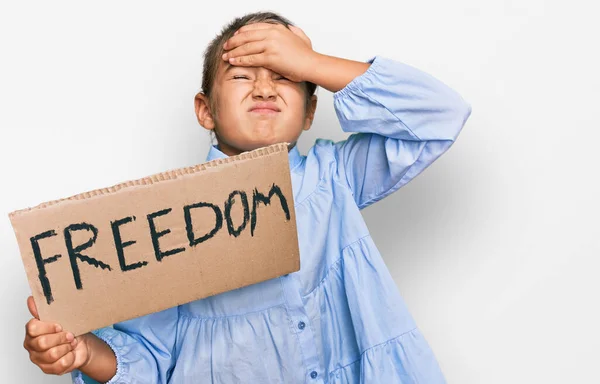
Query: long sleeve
point(144, 348)
point(402, 120)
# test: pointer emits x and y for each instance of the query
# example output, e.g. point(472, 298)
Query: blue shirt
point(340, 319)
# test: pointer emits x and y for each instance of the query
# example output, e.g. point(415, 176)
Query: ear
point(310, 112)
point(203, 112)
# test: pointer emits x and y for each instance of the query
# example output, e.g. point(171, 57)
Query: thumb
point(32, 307)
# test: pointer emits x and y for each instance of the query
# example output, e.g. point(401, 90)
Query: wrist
point(100, 363)
point(313, 61)
point(333, 73)
point(85, 340)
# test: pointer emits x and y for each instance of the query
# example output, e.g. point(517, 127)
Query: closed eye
point(241, 77)
point(282, 78)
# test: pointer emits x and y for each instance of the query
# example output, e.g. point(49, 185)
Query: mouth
point(264, 111)
point(265, 108)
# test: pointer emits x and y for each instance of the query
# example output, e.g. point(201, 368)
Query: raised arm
point(402, 120)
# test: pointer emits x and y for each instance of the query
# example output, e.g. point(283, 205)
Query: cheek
point(296, 114)
point(295, 99)
point(229, 107)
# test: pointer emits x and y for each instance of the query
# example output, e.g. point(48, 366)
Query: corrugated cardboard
point(139, 247)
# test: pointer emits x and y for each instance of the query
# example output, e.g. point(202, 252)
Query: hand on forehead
point(283, 50)
point(250, 28)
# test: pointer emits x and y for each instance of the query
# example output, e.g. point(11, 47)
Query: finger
point(300, 33)
point(46, 342)
point(50, 356)
point(66, 363)
point(252, 48)
point(255, 26)
point(248, 61)
point(63, 365)
point(32, 307)
point(245, 38)
point(35, 328)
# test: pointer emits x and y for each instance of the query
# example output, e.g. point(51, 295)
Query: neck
point(232, 151)
point(228, 149)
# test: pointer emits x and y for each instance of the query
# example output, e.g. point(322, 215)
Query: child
point(340, 319)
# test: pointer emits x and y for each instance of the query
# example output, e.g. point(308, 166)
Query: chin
point(261, 135)
point(255, 144)
point(265, 137)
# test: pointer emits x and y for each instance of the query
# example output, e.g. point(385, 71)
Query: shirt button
point(301, 325)
point(313, 374)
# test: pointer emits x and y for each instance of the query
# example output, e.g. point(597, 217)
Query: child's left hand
point(287, 52)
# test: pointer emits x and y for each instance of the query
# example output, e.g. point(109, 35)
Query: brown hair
point(214, 50)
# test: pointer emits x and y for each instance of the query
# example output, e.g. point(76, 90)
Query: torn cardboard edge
point(162, 176)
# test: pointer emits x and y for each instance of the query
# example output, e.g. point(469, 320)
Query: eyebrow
point(228, 67)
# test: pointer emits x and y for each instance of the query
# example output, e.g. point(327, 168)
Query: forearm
point(333, 73)
point(408, 119)
point(102, 363)
point(398, 101)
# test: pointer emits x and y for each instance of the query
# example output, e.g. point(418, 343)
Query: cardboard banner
point(142, 246)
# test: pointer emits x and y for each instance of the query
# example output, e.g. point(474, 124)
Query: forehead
point(224, 67)
point(221, 70)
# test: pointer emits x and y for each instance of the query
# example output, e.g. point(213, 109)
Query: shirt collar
point(294, 155)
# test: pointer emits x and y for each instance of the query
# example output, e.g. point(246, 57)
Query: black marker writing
point(75, 252)
point(41, 263)
point(190, 228)
point(266, 200)
point(228, 204)
point(120, 245)
point(156, 235)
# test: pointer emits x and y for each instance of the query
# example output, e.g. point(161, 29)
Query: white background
point(495, 247)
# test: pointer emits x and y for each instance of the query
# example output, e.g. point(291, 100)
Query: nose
point(264, 88)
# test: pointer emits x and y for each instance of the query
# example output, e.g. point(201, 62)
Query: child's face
point(255, 107)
